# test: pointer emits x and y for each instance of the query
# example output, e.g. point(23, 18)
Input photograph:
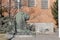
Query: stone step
point(23, 37)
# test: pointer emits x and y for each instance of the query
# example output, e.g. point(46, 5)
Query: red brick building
point(39, 10)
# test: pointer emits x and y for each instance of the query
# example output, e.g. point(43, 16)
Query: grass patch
point(2, 37)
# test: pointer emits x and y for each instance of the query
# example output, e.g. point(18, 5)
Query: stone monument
point(19, 26)
point(21, 23)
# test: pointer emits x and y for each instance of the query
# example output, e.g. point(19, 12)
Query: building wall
point(36, 13)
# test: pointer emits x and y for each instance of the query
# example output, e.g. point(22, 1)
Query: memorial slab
point(44, 28)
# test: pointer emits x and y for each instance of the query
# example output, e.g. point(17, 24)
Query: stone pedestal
point(19, 37)
point(44, 28)
point(23, 37)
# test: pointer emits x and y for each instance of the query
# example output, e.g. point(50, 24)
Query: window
point(17, 4)
point(31, 3)
point(44, 4)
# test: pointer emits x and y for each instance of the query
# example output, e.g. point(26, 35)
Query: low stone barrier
point(44, 28)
